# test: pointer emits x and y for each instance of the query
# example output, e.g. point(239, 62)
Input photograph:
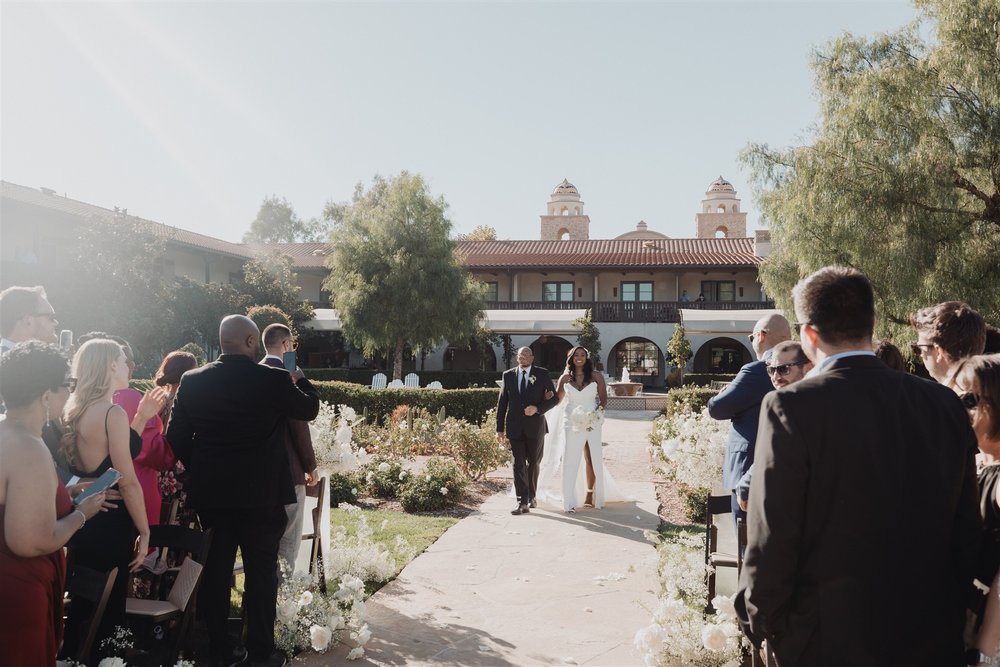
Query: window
point(640, 357)
point(491, 292)
point(636, 291)
point(558, 291)
point(719, 290)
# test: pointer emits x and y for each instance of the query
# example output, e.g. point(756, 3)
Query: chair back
point(313, 533)
point(379, 381)
point(95, 587)
point(412, 380)
point(434, 385)
point(396, 384)
point(185, 583)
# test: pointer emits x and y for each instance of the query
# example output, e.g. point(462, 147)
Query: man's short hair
point(274, 334)
point(992, 340)
point(838, 302)
point(790, 345)
point(17, 302)
point(953, 326)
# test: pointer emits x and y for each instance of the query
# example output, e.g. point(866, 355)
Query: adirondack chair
point(379, 380)
point(412, 381)
point(434, 385)
point(396, 384)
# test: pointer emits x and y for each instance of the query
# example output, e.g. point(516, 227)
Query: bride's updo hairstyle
point(588, 366)
point(92, 371)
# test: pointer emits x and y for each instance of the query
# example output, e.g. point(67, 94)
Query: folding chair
point(87, 584)
point(316, 548)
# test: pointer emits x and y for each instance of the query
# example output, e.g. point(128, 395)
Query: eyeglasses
point(918, 348)
point(784, 369)
point(969, 400)
point(755, 334)
point(798, 327)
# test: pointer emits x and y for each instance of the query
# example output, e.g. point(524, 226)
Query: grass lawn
point(420, 531)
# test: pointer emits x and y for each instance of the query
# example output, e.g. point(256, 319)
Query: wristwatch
point(979, 658)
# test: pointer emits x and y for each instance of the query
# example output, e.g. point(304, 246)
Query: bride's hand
point(549, 394)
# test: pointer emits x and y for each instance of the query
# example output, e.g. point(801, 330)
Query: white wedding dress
point(564, 454)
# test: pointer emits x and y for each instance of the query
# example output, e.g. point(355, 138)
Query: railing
point(631, 311)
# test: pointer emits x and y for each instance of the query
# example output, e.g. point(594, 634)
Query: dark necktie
point(524, 382)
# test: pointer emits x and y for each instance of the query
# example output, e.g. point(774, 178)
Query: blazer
point(298, 440)
point(863, 525)
point(510, 405)
point(228, 429)
point(740, 402)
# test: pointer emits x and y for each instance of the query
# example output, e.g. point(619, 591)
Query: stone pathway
point(546, 588)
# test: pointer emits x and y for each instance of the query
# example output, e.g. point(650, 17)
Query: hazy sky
point(190, 114)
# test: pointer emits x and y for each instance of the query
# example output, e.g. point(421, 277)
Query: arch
point(721, 355)
point(576, 210)
point(471, 358)
point(643, 358)
point(550, 352)
point(721, 232)
point(736, 208)
point(708, 208)
point(721, 209)
point(563, 234)
point(564, 211)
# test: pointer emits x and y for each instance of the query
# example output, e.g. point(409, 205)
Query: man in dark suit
point(277, 339)
point(526, 395)
point(228, 428)
point(863, 525)
point(740, 402)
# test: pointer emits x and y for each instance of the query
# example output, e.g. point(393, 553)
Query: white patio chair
point(434, 385)
point(412, 380)
point(379, 380)
point(396, 384)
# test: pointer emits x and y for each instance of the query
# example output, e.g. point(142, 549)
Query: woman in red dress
point(36, 513)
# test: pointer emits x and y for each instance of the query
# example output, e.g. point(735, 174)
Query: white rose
point(111, 662)
point(402, 475)
point(651, 639)
point(354, 492)
point(427, 478)
point(343, 435)
point(336, 621)
point(362, 636)
point(348, 413)
point(319, 637)
point(287, 611)
point(305, 599)
point(724, 607)
point(713, 637)
point(444, 490)
point(383, 467)
point(370, 476)
point(355, 653)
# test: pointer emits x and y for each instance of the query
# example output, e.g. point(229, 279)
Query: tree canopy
point(394, 275)
point(480, 233)
point(902, 176)
point(277, 222)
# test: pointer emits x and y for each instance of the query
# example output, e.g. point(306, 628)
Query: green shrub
point(448, 379)
point(343, 488)
point(422, 492)
point(474, 448)
point(141, 385)
point(196, 350)
point(383, 477)
point(468, 404)
point(706, 379)
point(695, 502)
point(694, 397)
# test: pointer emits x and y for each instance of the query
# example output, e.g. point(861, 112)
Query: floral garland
point(692, 446)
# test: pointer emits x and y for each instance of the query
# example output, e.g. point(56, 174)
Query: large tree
point(902, 175)
point(268, 280)
point(277, 222)
point(394, 275)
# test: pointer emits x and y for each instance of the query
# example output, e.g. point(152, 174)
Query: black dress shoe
point(521, 509)
point(532, 504)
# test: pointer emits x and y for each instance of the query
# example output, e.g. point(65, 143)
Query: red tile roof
point(611, 253)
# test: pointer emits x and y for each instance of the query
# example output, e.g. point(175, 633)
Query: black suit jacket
point(863, 524)
point(510, 406)
point(298, 440)
point(228, 428)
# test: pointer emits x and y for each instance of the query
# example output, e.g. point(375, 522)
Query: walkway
point(541, 589)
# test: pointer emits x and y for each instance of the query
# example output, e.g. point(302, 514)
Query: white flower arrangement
point(581, 419)
point(332, 436)
point(693, 448)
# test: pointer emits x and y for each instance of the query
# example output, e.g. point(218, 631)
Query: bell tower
point(720, 215)
point(564, 217)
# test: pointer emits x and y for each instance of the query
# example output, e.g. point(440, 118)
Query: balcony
point(631, 311)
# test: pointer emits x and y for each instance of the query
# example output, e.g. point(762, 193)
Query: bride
point(574, 436)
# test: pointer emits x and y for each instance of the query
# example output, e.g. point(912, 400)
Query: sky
point(192, 113)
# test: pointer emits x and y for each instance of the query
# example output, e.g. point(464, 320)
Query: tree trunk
point(397, 365)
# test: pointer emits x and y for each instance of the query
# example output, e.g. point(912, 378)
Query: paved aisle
point(498, 589)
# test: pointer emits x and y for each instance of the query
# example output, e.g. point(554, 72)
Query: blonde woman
point(97, 438)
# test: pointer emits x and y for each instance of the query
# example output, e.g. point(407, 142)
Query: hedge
point(706, 379)
point(468, 404)
point(696, 397)
point(448, 379)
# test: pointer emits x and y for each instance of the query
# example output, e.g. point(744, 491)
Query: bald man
point(740, 403)
point(228, 428)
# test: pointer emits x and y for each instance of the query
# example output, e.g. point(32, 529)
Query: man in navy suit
point(527, 393)
point(740, 402)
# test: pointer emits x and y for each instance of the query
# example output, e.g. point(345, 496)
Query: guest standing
point(947, 333)
point(26, 314)
point(36, 514)
point(863, 528)
point(227, 428)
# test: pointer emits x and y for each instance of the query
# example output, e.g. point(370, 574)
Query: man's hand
point(742, 503)
point(500, 438)
point(530, 411)
point(311, 478)
point(296, 375)
point(549, 394)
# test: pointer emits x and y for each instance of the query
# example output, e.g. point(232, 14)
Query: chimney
point(762, 242)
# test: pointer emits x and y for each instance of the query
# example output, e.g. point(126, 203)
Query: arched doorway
point(721, 355)
point(643, 359)
point(550, 352)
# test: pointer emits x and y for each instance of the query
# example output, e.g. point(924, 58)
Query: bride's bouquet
point(581, 419)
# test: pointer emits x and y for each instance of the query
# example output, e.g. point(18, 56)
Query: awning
point(702, 322)
point(533, 321)
point(325, 319)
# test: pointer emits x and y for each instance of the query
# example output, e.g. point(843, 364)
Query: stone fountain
point(625, 387)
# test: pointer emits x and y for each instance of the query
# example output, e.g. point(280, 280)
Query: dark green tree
point(268, 280)
point(901, 178)
point(590, 338)
point(679, 348)
point(394, 276)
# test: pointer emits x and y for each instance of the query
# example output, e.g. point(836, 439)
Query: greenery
point(196, 350)
point(343, 488)
point(901, 178)
point(448, 379)
point(441, 485)
point(383, 477)
point(269, 280)
point(679, 348)
point(480, 233)
point(473, 448)
point(469, 404)
point(694, 398)
point(695, 502)
point(394, 275)
point(276, 222)
point(706, 379)
point(264, 316)
point(590, 338)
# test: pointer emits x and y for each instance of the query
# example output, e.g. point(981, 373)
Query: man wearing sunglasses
point(26, 314)
point(947, 333)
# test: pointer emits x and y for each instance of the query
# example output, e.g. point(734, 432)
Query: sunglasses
point(918, 348)
point(969, 400)
point(755, 334)
point(798, 328)
point(784, 369)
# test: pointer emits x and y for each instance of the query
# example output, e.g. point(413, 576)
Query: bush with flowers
point(691, 447)
point(680, 632)
point(473, 447)
point(383, 477)
point(439, 486)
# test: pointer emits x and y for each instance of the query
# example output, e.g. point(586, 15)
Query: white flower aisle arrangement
point(332, 436)
point(581, 419)
point(309, 619)
point(692, 446)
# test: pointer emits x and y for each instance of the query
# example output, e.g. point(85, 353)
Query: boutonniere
point(531, 379)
